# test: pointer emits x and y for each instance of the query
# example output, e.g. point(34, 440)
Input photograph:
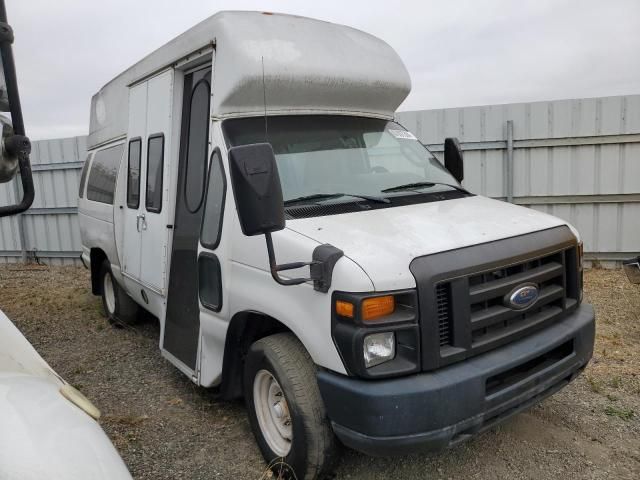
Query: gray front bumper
point(434, 410)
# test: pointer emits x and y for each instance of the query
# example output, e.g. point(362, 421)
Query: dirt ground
point(167, 428)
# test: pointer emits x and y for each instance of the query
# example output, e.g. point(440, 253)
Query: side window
point(195, 177)
point(83, 177)
point(102, 178)
point(214, 204)
point(155, 161)
point(133, 173)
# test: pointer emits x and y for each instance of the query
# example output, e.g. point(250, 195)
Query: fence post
point(22, 235)
point(509, 165)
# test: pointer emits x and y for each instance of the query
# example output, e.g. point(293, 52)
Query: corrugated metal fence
point(576, 159)
point(48, 231)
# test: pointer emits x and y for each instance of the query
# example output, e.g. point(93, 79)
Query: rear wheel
point(118, 307)
point(285, 408)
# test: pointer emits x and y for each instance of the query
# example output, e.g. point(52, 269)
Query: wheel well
point(244, 329)
point(97, 257)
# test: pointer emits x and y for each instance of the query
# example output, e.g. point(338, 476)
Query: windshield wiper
point(416, 185)
point(328, 196)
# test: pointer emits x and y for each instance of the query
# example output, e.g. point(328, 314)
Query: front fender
point(301, 309)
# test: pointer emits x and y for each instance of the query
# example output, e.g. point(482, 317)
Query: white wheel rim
point(273, 414)
point(109, 293)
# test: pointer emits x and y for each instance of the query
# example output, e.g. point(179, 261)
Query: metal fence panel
point(50, 227)
point(577, 159)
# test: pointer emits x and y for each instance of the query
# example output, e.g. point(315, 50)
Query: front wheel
point(286, 411)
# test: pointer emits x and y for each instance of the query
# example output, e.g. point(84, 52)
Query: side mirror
point(258, 196)
point(14, 145)
point(257, 190)
point(453, 158)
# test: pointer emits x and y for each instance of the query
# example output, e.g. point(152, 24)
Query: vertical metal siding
point(51, 232)
point(576, 159)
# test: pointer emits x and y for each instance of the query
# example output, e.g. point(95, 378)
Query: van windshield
point(330, 158)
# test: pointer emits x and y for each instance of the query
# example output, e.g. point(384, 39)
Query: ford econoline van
point(247, 184)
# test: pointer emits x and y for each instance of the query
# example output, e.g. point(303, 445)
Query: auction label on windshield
point(402, 134)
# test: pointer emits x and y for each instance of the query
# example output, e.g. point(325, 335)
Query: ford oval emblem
point(522, 296)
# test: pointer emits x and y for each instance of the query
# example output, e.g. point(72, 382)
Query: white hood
point(42, 434)
point(383, 242)
point(18, 356)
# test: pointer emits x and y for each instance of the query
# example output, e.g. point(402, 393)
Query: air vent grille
point(323, 209)
point(443, 294)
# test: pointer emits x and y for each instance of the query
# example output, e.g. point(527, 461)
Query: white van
point(395, 311)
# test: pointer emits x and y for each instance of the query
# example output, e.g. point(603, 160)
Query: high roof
point(310, 66)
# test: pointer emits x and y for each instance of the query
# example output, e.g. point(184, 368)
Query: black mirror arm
point(18, 144)
point(275, 268)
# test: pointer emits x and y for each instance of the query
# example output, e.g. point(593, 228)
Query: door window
point(133, 173)
point(195, 177)
point(214, 204)
point(155, 162)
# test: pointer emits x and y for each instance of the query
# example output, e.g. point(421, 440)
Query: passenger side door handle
point(141, 222)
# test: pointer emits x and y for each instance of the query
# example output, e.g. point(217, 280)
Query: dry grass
point(167, 428)
point(615, 367)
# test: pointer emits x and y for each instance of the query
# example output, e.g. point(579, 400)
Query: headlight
point(377, 333)
point(379, 348)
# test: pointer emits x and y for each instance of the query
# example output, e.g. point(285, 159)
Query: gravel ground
point(167, 428)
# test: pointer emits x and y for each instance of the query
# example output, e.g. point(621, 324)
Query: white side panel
point(119, 211)
point(155, 235)
point(131, 247)
point(97, 233)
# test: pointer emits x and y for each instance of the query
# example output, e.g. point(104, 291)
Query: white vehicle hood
point(17, 355)
point(42, 434)
point(385, 241)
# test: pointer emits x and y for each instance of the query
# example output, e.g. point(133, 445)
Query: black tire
point(120, 309)
point(313, 448)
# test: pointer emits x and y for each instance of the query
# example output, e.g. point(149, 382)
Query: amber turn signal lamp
point(344, 309)
point(377, 307)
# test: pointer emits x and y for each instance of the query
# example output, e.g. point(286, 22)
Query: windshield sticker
point(403, 134)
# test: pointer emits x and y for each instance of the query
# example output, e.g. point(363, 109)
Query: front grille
point(482, 320)
point(490, 319)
